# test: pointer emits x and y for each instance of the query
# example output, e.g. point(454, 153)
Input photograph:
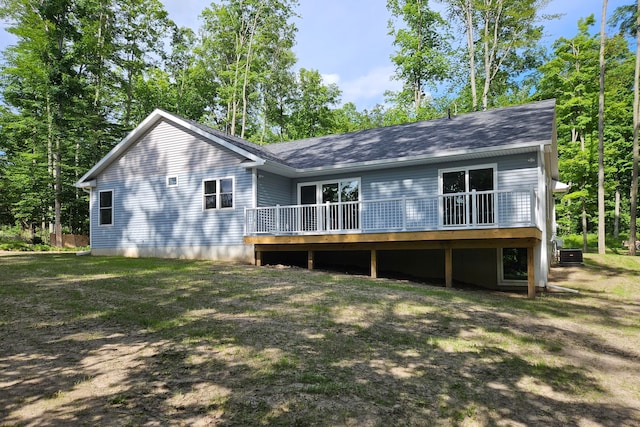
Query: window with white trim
point(218, 193)
point(460, 206)
point(514, 267)
point(172, 181)
point(105, 203)
point(340, 209)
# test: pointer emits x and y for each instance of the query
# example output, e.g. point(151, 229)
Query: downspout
point(254, 189)
point(542, 258)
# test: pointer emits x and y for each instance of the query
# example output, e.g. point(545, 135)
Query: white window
point(339, 191)
point(459, 206)
point(513, 265)
point(172, 181)
point(218, 193)
point(105, 202)
point(340, 209)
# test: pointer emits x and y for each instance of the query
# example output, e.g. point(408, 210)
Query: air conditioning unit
point(570, 257)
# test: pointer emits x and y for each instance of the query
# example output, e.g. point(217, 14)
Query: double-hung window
point(218, 193)
point(105, 202)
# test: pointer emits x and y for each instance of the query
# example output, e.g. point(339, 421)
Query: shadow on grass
point(112, 341)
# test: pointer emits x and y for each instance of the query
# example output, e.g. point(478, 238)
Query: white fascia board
point(144, 126)
point(86, 184)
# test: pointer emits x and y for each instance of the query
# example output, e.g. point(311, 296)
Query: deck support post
point(448, 267)
point(259, 258)
point(531, 273)
point(310, 257)
point(374, 264)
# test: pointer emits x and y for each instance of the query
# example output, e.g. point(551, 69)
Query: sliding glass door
point(467, 197)
point(330, 205)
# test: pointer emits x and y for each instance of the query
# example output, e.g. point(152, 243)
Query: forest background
point(80, 74)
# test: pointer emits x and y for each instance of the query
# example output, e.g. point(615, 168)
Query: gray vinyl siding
point(514, 172)
point(148, 213)
point(398, 183)
point(518, 172)
point(274, 190)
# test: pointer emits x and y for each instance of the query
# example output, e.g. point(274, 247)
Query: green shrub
point(574, 241)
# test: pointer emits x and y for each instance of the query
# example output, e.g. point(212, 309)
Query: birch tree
point(235, 43)
point(507, 32)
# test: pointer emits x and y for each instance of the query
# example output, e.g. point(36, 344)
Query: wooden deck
point(447, 240)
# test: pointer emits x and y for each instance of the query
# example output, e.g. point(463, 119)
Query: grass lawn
point(116, 341)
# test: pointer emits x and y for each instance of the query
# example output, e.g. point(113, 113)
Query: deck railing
point(476, 209)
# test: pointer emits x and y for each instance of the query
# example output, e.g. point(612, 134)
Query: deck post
point(531, 273)
point(404, 212)
point(374, 263)
point(310, 260)
point(259, 258)
point(448, 267)
point(532, 207)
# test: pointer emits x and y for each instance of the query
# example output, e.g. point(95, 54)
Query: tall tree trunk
point(247, 69)
point(601, 210)
point(487, 61)
point(57, 170)
point(50, 157)
point(585, 245)
point(468, 17)
point(616, 219)
point(636, 127)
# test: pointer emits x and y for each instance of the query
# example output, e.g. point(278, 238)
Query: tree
point(311, 112)
point(422, 57)
point(636, 129)
point(507, 46)
point(60, 82)
point(628, 18)
point(44, 83)
point(139, 44)
point(238, 36)
point(601, 192)
point(568, 77)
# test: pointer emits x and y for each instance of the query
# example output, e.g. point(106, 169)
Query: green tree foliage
point(243, 42)
point(423, 50)
point(570, 76)
point(311, 112)
point(61, 82)
point(502, 45)
point(138, 43)
point(84, 72)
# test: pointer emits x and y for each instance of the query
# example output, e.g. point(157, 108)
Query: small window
point(172, 181)
point(514, 264)
point(106, 207)
point(218, 193)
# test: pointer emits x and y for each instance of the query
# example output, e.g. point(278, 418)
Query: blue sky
point(347, 41)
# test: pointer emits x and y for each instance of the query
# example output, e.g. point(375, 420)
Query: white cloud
point(367, 90)
point(328, 79)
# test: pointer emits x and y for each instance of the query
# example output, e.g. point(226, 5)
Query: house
point(467, 198)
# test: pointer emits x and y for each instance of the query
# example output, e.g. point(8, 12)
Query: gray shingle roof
point(526, 125)
point(529, 124)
